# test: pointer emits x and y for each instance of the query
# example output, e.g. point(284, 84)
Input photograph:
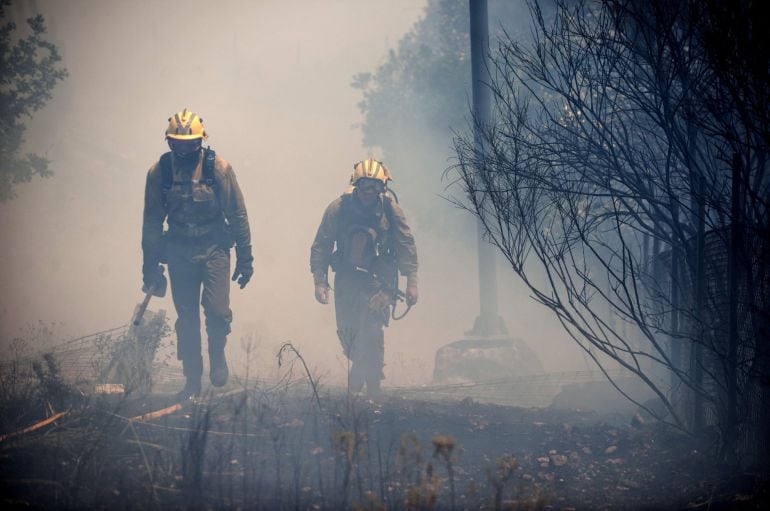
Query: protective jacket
point(387, 220)
point(362, 301)
point(206, 214)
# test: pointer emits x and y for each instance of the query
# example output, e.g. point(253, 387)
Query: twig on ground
point(35, 426)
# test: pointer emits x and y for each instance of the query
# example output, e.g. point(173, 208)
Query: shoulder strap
point(392, 193)
point(209, 175)
point(166, 176)
point(387, 205)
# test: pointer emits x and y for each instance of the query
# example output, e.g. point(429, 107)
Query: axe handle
point(143, 305)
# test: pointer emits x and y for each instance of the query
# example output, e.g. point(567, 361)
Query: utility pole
point(487, 351)
point(488, 323)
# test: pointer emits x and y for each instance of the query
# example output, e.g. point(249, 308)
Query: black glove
point(153, 278)
point(244, 268)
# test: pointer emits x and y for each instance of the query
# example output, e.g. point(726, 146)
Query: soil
point(286, 448)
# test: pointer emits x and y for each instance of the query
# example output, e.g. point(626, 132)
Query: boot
point(355, 380)
point(191, 390)
point(192, 368)
point(219, 373)
point(373, 387)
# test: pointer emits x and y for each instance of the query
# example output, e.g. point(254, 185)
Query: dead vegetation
point(296, 445)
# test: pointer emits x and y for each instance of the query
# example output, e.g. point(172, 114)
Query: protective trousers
point(191, 269)
point(360, 328)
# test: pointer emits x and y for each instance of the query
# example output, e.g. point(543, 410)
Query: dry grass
point(291, 444)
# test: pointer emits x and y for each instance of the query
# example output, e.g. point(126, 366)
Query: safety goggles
point(370, 186)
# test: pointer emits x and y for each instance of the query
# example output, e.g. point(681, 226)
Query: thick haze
point(272, 81)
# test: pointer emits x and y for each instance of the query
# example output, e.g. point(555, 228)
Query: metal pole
point(489, 322)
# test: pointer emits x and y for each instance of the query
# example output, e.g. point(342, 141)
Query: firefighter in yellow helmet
point(194, 191)
point(366, 240)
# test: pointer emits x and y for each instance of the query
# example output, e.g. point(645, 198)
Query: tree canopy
point(420, 95)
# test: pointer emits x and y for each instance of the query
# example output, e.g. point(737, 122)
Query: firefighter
point(195, 192)
point(365, 239)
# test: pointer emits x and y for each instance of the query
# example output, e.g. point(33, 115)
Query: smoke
point(272, 83)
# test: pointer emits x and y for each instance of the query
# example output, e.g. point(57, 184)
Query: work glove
point(153, 279)
point(411, 295)
point(244, 268)
point(322, 293)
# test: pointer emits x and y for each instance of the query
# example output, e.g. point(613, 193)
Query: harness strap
point(167, 173)
point(166, 177)
point(209, 158)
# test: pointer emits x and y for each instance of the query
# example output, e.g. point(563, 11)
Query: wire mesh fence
point(529, 391)
point(110, 357)
point(123, 356)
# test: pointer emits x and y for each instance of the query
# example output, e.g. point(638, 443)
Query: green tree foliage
point(30, 69)
point(423, 82)
point(415, 98)
point(421, 95)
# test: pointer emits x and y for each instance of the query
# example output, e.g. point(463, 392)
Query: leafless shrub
point(630, 146)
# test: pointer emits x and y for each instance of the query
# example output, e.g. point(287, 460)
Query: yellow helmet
point(370, 169)
point(186, 125)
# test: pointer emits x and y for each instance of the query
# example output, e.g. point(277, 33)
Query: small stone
point(637, 421)
point(559, 459)
point(630, 484)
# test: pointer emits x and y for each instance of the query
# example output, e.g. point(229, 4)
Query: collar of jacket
point(376, 210)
